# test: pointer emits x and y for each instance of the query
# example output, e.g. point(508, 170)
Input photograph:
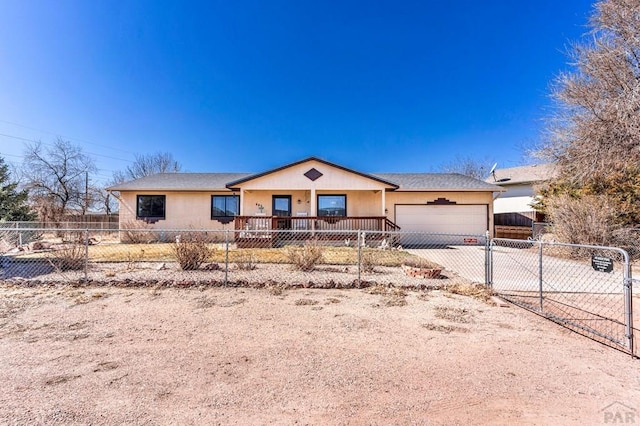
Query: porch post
point(384, 202)
point(313, 208)
point(241, 202)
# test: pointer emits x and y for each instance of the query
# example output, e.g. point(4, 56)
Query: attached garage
point(453, 224)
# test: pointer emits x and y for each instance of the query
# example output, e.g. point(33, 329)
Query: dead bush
point(71, 257)
point(246, 262)
point(138, 232)
point(590, 219)
point(368, 261)
point(191, 250)
point(305, 258)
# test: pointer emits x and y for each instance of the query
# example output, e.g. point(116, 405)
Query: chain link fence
point(171, 257)
point(585, 288)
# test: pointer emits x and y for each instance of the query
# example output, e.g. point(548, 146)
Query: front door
point(282, 208)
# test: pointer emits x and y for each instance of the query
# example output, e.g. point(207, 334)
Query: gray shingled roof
point(523, 174)
point(433, 181)
point(218, 181)
point(180, 181)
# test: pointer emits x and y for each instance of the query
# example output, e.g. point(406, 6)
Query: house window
point(151, 207)
point(224, 206)
point(332, 205)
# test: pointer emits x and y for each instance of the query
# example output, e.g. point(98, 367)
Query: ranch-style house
point(309, 195)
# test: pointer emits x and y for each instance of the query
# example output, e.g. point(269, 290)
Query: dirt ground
point(266, 356)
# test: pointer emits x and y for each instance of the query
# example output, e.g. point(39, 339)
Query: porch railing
point(311, 223)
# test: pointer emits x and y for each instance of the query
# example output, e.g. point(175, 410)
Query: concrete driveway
point(465, 261)
point(518, 269)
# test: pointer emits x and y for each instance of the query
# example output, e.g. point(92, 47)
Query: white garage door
point(465, 221)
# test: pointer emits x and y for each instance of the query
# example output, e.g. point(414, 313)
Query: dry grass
point(391, 296)
point(459, 315)
point(475, 290)
point(445, 328)
point(163, 252)
point(304, 302)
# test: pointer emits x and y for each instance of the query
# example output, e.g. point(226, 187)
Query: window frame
point(225, 217)
point(150, 217)
point(318, 196)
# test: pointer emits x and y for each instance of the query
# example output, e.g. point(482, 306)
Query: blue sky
point(382, 86)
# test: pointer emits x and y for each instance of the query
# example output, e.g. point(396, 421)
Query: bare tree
point(468, 166)
point(146, 165)
point(594, 133)
point(57, 178)
point(104, 201)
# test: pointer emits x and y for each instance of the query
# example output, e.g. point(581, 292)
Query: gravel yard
point(107, 355)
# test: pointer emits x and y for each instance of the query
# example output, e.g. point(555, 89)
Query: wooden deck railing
point(310, 223)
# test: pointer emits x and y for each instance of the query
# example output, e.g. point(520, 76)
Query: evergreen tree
point(13, 203)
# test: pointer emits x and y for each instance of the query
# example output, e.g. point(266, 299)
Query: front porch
point(276, 231)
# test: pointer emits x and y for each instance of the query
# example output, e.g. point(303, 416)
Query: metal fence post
point(226, 257)
point(628, 303)
point(86, 255)
point(486, 259)
point(540, 273)
point(19, 236)
point(359, 256)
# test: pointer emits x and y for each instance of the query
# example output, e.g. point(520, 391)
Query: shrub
point(138, 232)
point(368, 261)
point(246, 262)
point(590, 219)
point(305, 258)
point(71, 257)
point(191, 250)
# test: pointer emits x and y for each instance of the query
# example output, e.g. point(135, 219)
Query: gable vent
point(313, 174)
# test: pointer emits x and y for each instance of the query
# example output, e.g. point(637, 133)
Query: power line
point(66, 137)
point(50, 144)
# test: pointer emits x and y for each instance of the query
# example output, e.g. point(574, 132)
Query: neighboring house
point(513, 207)
point(311, 194)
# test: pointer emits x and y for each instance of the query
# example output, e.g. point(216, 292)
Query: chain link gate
point(587, 289)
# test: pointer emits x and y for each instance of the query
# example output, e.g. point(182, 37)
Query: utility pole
point(86, 192)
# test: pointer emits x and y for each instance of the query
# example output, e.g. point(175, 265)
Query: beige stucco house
point(311, 194)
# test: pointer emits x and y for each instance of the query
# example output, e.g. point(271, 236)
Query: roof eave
point(232, 185)
point(496, 189)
